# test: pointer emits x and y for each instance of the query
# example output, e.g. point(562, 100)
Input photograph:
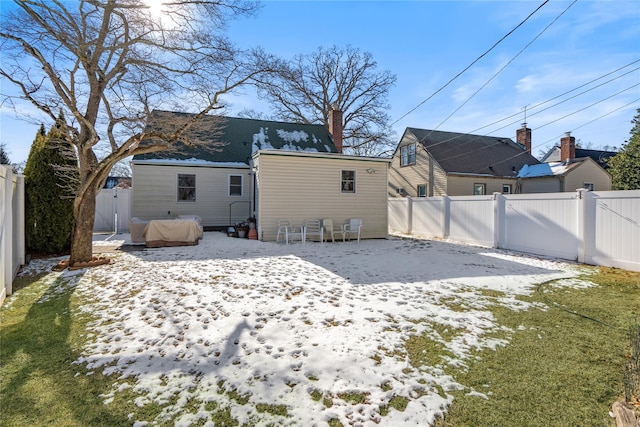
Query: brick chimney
point(523, 136)
point(567, 147)
point(335, 126)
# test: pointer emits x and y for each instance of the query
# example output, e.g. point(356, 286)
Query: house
point(433, 163)
point(568, 174)
point(301, 185)
point(269, 169)
point(599, 156)
point(117, 181)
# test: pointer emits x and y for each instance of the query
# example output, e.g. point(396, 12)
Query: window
point(589, 186)
point(422, 190)
point(408, 155)
point(506, 188)
point(479, 189)
point(348, 184)
point(186, 188)
point(235, 185)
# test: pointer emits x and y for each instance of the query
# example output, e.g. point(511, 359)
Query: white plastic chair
point(288, 231)
point(352, 228)
point(313, 227)
point(331, 231)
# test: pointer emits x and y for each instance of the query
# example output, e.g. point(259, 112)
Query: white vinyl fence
point(599, 228)
point(113, 209)
point(12, 238)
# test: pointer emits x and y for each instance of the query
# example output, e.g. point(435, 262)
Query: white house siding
point(307, 186)
point(155, 193)
point(587, 171)
point(541, 185)
point(460, 185)
point(425, 171)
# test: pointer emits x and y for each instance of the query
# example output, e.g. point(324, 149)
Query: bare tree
point(308, 87)
point(108, 63)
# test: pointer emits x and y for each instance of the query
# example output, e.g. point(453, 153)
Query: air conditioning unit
point(401, 191)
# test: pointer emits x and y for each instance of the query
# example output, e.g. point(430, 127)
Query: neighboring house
point(598, 156)
point(434, 163)
point(117, 181)
point(568, 174)
point(269, 169)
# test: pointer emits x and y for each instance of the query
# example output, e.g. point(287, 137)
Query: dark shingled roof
point(598, 156)
point(473, 154)
point(236, 139)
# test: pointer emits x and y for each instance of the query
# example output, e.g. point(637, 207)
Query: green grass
point(563, 366)
point(564, 369)
point(38, 382)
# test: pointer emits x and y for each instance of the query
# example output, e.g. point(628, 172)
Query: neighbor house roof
point(598, 156)
point(549, 169)
point(462, 153)
point(233, 140)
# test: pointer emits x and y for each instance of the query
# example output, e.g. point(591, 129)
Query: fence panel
point(543, 224)
point(12, 240)
point(113, 205)
point(428, 216)
point(398, 215)
point(615, 216)
point(471, 219)
point(600, 228)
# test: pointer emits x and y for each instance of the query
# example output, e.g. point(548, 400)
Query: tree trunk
point(84, 213)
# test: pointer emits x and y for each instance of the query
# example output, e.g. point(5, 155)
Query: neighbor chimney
point(567, 147)
point(523, 136)
point(335, 126)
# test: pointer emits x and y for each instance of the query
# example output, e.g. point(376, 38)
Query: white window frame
point(591, 186)
point(482, 186)
point(344, 181)
point(508, 187)
point(235, 185)
point(408, 155)
point(186, 188)
point(423, 193)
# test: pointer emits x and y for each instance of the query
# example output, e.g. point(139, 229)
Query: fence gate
point(113, 207)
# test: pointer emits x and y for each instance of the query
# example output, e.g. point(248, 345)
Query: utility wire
point(472, 63)
point(588, 106)
point(563, 94)
point(591, 121)
point(545, 102)
point(575, 112)
point(506, 65)
point(572, 130)
point(563, 101)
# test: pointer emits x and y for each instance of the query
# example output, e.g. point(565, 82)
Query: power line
point(506, 65)
point(564, 100)
point(472, 63)
point(563, 94)
point(547, 101)
point(574, 129)
point(589, 106)
point(589, 122)
point(575, 112)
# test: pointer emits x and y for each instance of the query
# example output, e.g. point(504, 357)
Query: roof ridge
point(239, 118)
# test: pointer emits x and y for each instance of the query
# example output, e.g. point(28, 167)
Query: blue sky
point(426, 43)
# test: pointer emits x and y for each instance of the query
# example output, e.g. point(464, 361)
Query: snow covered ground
point(285, 324)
